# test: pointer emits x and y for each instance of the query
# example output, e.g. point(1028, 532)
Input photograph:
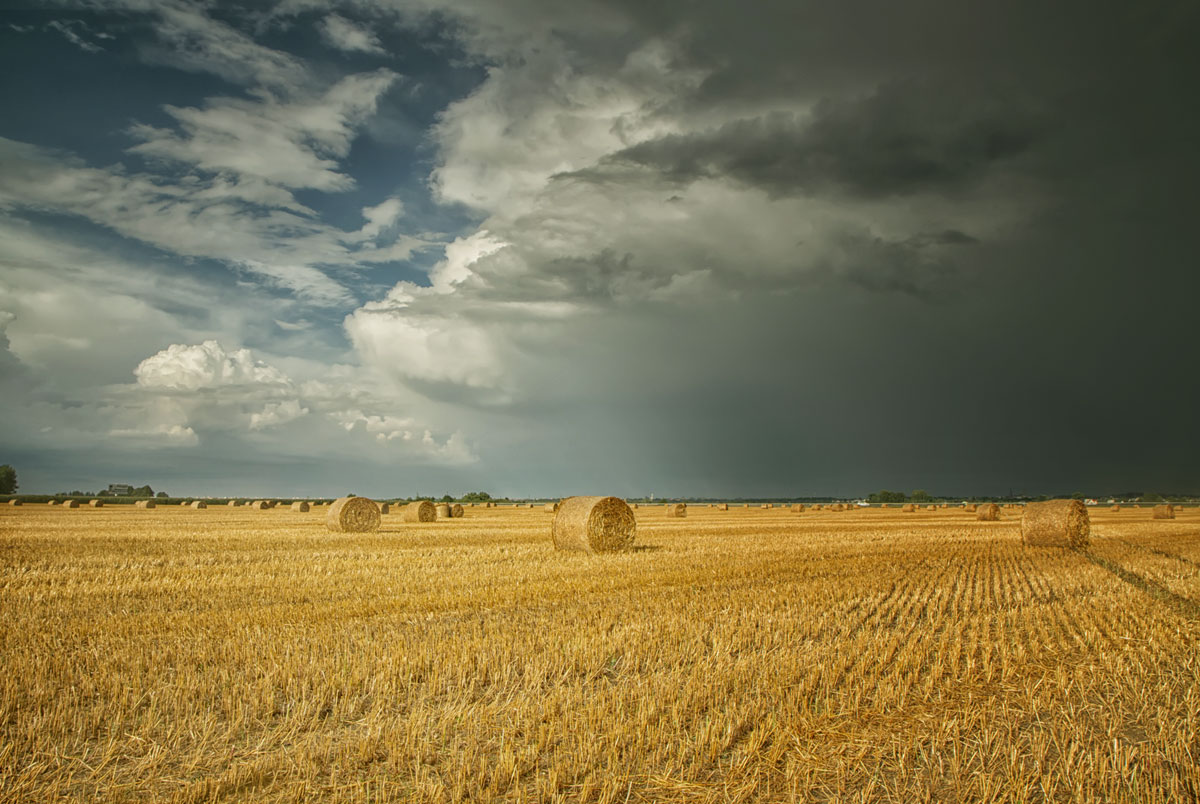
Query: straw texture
point(420, 511)
point(1163, 512)
point(676, 510)
point(353, 515)
point(988, 512)
point(301, 507)
point(1056, 523)
point(593, 525)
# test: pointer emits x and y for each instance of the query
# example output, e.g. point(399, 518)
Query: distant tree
point(162, 494)
point(920, 495)
point(102, 493)
point(1078, 496)
point(1151, 496)
point(886, 496)
point(143, 491)
point(476, 496)
point(447, 498)
point(8, 480)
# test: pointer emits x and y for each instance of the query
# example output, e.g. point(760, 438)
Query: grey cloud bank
point(795, 249)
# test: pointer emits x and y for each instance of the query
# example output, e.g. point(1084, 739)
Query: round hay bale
point(816, 506)
point(593, 525)
point(908, 508)
point(723, 507)
point(232, 503)
point(1056, 523)
point(1115, 508)
point(272, 503)
point(145, 504)
point(95, 503)
point(443, 511)
point(745, 505)
point(420, 511)
point(259, 505)
point(301, 507)
point(971, 508)
point(385, 508)
point(14, 502)
point(988, 512)
point(798, 508)
point(931, 508)
point(52, 502)
point(353, 515)
point(199, 505)
point(550, 508)
point(457, 511)
point(184, 503)
point(1162, 512)
point(677, 510)
point(529, 505)
point(633, 506)
point(70, 503)
point(883, 505)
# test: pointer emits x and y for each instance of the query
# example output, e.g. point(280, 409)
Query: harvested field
point(867, 655)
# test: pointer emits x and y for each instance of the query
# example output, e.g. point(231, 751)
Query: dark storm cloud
point(902, 139)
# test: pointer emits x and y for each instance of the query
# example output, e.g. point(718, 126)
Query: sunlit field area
point(742, 655)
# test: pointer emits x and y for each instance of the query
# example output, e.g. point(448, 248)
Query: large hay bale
point(420, 511)
point(259, 505)
point(443, 511)
point(95, 503)
point(457, 511)
point(677, 510)
point(70, 503)
point(199, 504)
point(353, 515)
point(14, 502)
point(1056, 523)
point(385, 508)
point(551, 508)
point(798, 508)
point(988, 512)
point(1162, 512)
point(272, 503)
point(301, 507)
point(232, 503)
point(145, 504)
point(909, 508)
point(593, 525)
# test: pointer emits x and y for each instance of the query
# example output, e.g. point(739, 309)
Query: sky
point(402, 247)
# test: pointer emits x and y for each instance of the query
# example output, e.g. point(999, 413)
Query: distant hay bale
point(95, 503)
point(184, 503)
point(723, 507)
point(457, 511)
point(931, 508)
point(70, 503)
point(551, 508)
point(1056, 523)
point(745, 505)
point(1162, 512)
point(199, 504)
point(145, 504)
point(988, 512)
point(272, 503)
point(1115, 508)
point(52, 502)
point(883, 505)
point(676, 510)
point(442, 510)
point(593, 525)
point(231, 504)
point(259, 505)
point(420, 511)
point(765, 506)
point(798, 508)
point(971, 508)
point(909, 508)
point(300, 507)
point(353, 515)
point(385, 508)
point(817, 506)
point(14, 502)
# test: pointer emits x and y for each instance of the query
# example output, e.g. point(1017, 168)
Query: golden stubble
point(742, 655)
